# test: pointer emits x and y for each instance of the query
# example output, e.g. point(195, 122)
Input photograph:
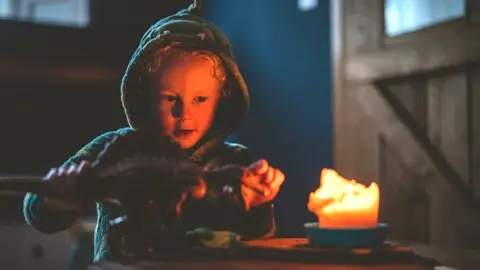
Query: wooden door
point(407, 115)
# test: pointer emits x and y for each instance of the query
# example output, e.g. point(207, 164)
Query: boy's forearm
point(45, 220)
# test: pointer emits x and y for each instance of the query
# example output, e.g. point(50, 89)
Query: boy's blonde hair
point(164, 56)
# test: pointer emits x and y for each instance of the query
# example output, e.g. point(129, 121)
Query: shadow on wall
point(284, 55)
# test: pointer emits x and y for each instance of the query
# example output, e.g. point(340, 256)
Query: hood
point(189, 28)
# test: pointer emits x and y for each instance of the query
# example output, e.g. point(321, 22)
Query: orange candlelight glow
point(343, 203)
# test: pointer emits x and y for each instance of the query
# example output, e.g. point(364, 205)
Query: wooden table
point(248, 265)
point(292, 253)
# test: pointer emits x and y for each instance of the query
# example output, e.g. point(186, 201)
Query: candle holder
point(367, 237)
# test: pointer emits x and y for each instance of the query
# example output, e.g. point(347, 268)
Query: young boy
point(184, 82)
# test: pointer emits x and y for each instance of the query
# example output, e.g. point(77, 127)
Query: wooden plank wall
point(407, 115)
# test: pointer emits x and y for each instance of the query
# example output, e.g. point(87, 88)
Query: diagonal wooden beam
point(396, 123)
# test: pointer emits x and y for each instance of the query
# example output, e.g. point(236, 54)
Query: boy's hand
point(260, 183)
point(65, 177)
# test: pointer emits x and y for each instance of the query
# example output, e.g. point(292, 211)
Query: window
point(403, 16)
point(73, 13)
point(5, 7)
point(307, 5)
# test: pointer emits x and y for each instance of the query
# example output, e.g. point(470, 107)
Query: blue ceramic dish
point(346, 238)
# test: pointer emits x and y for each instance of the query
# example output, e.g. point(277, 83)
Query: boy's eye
point(201, 99)
point(168, 98)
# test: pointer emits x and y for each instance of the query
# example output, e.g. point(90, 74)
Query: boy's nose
point(181, 111)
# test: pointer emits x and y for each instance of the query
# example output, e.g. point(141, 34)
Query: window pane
point(403, 16)
point(59, 12)
point(306, 5)
point(5, 7)
point(63, 13)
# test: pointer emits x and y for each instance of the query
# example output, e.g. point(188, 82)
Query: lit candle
point(342, 203)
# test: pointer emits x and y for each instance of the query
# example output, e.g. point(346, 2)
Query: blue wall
point(284, 55)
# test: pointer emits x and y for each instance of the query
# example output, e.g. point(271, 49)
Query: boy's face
point(187, 94)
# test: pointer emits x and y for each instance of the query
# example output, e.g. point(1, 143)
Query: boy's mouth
point(183, 133)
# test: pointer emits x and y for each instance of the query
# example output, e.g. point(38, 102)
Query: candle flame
point(342, 203)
